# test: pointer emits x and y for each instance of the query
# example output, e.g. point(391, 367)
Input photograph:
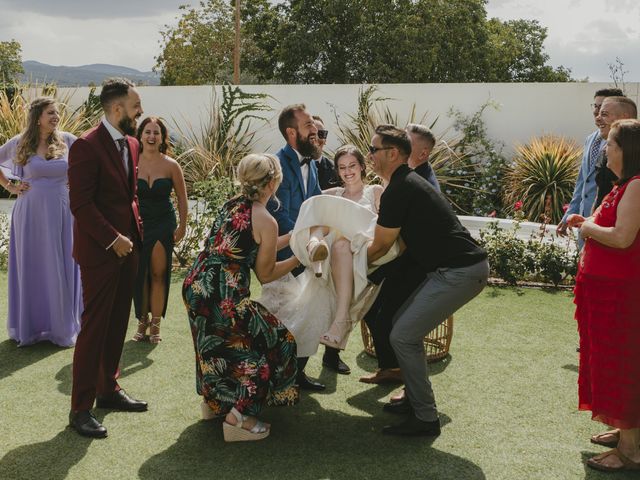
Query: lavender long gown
point(45, 299)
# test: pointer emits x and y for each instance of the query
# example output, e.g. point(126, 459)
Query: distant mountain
point(83, 75)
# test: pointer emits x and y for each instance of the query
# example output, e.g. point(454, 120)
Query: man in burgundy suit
point(107, 235)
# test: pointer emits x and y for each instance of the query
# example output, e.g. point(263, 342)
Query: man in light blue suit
point(584, 194)
point(299, 182)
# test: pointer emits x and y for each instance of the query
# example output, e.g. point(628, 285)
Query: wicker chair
point(436, 343)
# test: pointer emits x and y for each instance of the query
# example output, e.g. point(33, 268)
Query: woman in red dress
point(607, 306)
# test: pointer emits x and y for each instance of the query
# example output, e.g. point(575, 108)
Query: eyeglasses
point(373, 150)
point(322, 134)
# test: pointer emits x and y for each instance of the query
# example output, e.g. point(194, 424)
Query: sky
point(583, 35)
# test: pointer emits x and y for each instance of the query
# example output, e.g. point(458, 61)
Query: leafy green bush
point(515, 260)
point(484, 166)
point(509, 257)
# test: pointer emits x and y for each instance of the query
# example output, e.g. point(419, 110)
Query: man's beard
point(128, 126)
point(306, 148)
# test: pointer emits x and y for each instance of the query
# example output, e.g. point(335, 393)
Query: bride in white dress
point(331, 236)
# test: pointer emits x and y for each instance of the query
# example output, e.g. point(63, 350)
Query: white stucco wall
point(525, 109)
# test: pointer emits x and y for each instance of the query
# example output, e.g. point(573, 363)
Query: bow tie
point(305, 161)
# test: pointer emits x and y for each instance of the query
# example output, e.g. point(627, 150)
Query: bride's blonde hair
point(255, 171)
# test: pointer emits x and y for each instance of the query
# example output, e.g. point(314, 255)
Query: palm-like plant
point(225, 136)
point(14, 110)
point(359, 128)
point(542, 176)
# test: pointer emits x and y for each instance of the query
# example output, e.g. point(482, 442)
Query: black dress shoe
point(333, 362)
point(414, 427)
point(305, 383)
point(121, 401)
point(400, 407)
point(86, 424)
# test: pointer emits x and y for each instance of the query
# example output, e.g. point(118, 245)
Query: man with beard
point(107, 235)
point(299, 182)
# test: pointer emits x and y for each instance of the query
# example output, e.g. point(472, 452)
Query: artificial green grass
point(507, 397)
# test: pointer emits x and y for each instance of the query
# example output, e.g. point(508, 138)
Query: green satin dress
point(159, 224)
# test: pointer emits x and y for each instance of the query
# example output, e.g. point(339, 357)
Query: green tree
point(10, 62)
point(516, 53)
point(354, 41)
point(376, 41)
point(199, 49)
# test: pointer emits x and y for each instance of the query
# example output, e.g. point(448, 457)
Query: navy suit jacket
point(291, 193)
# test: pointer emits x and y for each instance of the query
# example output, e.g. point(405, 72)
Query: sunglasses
point(373, 150)
point(322, 134)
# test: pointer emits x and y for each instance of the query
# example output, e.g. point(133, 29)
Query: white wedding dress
point(306, 304)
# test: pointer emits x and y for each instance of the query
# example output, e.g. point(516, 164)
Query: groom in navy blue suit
point(299, 182)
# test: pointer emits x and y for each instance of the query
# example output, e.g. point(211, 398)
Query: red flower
point(518, 205)
point(228, 308)
point(565, 207)
point(492, 214)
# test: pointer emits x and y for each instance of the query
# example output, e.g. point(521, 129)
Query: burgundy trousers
point(107, 292)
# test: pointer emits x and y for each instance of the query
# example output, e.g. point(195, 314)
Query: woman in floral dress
point(245, 358)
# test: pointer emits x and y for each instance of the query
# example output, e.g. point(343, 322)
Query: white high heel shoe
point(318, 252)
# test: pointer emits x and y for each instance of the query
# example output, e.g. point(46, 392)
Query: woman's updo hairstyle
point(255, 171)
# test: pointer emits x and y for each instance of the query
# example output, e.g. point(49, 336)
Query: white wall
point(525, 109)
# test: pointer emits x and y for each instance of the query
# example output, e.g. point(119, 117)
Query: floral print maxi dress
point(245, 358)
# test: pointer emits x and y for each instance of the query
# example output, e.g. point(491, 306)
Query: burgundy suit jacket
point(103, 200)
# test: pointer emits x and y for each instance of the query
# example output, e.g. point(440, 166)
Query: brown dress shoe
point(384, 375)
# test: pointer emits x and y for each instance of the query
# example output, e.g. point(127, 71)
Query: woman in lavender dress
point(45, 300)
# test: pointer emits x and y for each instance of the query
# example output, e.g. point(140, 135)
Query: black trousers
point(401, 277)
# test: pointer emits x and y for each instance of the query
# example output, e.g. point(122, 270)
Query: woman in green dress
point(245, 358)
point(158, 175)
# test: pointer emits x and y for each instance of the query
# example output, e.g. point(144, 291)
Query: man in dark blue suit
point(299, 182)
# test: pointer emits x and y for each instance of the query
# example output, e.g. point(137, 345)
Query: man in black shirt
point(401, 276)
point(422, 143)
point(456, 268)
point(327, 175)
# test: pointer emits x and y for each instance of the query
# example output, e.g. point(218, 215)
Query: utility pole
point(236, 50)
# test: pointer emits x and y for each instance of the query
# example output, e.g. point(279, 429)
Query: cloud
point(92, 9)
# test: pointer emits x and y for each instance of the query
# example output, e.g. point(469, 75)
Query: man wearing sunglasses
point(401, 277)
point(455, 266)
point(327, 177)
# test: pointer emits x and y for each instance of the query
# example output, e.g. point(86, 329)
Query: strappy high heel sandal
point(339, 340)
point(141, 334)
point(318, 251)
point(235, 433)
point(155, 323)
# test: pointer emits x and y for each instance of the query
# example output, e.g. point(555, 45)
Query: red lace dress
point(607, 298)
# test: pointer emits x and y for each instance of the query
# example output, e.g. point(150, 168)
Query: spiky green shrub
point(542, 176)
point(213, 148)
point(373, 110)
